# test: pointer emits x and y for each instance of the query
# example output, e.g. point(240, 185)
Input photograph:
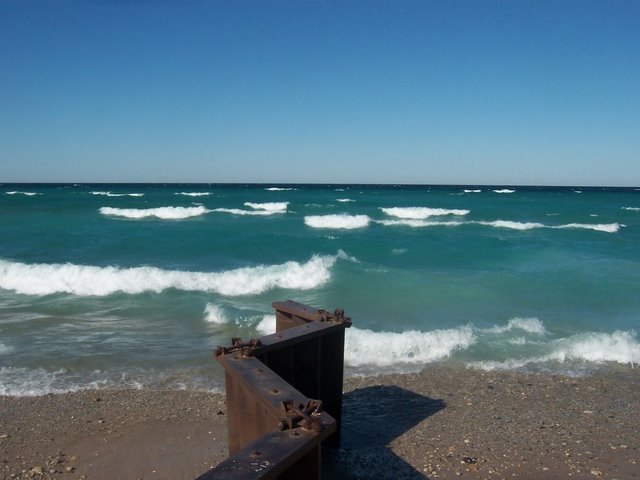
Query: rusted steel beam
point(275, 427)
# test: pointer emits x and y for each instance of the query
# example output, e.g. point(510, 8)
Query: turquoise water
point(133, 286)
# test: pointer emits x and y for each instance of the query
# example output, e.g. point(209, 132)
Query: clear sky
point(465, 92)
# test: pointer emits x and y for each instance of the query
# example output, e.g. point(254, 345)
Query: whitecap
point(28, 194)
point(632, 209)
point(214, 314)
point(277, 207)
point(421, 213)
point(419, 223)
point(194, 194)
point(383, 349)
point(267, 325)
point(607, 227)
point(164, 213)
point(529, 325)
point(511, 225)
point(504, 190)
point(47, 279)
point(340, 221)
point(279, 189)
point(345, 200)
point(110, 194)
point(238, 211)
point(472, 191)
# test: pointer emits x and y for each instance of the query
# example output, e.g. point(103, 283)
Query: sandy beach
point(439, 423)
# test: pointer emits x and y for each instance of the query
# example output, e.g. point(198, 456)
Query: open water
point(133, 286)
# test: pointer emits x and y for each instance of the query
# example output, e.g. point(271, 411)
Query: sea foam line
point(165, 213)
point(47, 279)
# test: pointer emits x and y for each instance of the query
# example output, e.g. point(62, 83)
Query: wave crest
point(421, 213)
point(164, 213)
point(383, 349)
point(340, 221)
point(47, 279)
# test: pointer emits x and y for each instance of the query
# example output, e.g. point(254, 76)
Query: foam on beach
point(47, 279)
point(340, 221)
point(164, 213)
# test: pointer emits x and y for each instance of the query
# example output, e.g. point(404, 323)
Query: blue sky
point(466, 92)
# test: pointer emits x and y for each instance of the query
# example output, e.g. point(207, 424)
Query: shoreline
point(442, 422)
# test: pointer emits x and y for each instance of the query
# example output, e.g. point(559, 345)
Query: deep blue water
point(134, 285)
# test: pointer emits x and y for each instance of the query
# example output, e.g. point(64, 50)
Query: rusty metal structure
point(284, 395)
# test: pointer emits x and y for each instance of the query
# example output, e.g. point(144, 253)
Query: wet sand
point(440, 423)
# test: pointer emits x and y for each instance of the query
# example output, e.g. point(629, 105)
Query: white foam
point(577, 191)
point(345, 200)
point(383, 349)
point(529, 325)
point(420, 213)
point(504, 190)
point(110, 194)
point(620, 347)
point(632, 209)
point(164, 213)
point(276, 207)
point(238, 211)
point(214, 314)
point(267, 325)
point(512, 225)
point(340, 221)
point(47, 279)
point(194, 194)
point(28, 194)
point(472, 191)
point(4, 349)
point(419, 223)
point(608, 227)
point(278, 189)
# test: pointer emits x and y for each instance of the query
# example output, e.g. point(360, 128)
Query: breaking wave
point(276, 207)
point(504, 190)
point(279, 189)
point(109, 194)
point(341, 221)
point(345, 200)
point(194, 194)
point(508, 224)
point(420, 213)
point(214, 314)
point(28, 194)
point(620, 347)
point(472, 190)
point(632, 209)
point(47, 279)
point(529, 325)
point(267, 325)
point(385, 349)
point(165, 213)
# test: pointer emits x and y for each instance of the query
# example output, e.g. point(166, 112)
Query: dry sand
point(440, 423)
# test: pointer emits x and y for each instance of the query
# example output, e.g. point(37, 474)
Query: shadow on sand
point(372, 417)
